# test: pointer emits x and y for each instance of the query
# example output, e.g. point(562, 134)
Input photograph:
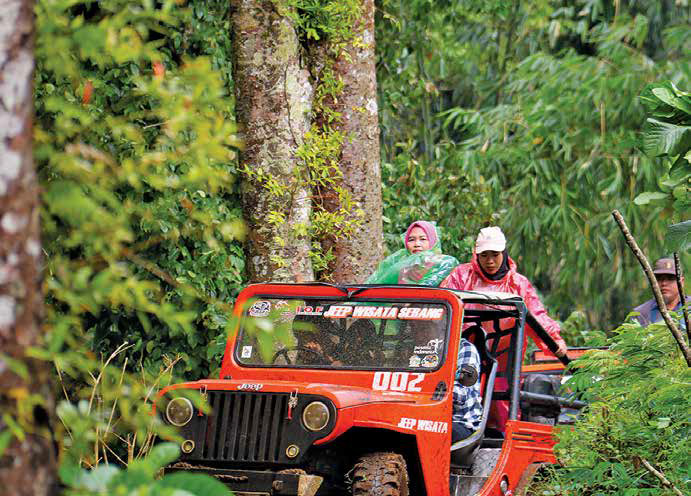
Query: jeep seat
point(463, 451)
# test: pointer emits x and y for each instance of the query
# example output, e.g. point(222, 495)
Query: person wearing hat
point(491, 269)
point(665, 274)
point(420, 261)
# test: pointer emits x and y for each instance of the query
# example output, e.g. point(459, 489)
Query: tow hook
point(308, 485)
point(292, 403)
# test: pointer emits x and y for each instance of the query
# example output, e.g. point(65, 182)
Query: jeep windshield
point(281, 332)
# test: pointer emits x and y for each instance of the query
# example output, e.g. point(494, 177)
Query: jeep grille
point(243, 427)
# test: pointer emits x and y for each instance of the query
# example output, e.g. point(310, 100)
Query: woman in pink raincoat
point(491, 269)
point(420, 261)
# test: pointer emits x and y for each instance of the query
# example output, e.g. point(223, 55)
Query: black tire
point(380, 474)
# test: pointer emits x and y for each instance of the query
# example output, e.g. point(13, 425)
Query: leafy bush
point(136, 150)
point(639, 403)
point(667, 133)
point(141, 478)
point(135, 147)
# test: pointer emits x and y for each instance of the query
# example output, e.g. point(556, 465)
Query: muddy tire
point(380, 474)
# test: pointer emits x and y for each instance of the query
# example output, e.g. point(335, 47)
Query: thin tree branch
point(150, 267)
point(513, 24)
point(166, 277)
point(112, 410)
point(682, 297)
point(654, 286)
point(661, 476)
point(122, 462)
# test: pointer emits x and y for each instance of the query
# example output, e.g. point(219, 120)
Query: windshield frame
point(346, 299)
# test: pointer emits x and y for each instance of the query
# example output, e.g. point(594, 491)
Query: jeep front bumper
point(259, 482)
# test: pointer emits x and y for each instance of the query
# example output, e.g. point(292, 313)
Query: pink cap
point(429, 229)
point(490, 239)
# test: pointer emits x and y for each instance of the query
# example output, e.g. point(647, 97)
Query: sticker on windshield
point(372, 312)
point(432, 346)
point(338, 311)
point(246, 352)
point(260, 309)
point(309, 310)
point(414, 361)
point(430, 361)
point(417, 313)
point(361, 312)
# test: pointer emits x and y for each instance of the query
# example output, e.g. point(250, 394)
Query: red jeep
point(328, 389)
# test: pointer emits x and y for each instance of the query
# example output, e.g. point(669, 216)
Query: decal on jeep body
point(424, 425)
point(397, 381)
point(250, 387)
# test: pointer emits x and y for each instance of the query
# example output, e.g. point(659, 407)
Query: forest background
point(524, 114)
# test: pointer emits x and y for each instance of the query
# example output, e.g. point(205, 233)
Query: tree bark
point(274, 98)
point(27, 466)
point(357, 255)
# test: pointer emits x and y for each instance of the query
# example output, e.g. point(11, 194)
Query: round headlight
point(179, 411)
point(315, 416)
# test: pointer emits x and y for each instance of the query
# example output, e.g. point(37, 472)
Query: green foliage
point(667, 134)
point(331, 20)
point(140, 215)
point(575, 331)
point(639, 405)
point(677, 238)
point(136, 148)
point(140, 478)
point(525, 114)
point(110, 418)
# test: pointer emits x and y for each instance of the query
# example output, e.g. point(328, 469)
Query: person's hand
point(468, 375)
point(562, 349)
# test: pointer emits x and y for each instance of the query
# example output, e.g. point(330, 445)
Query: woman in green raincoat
point(419, 262)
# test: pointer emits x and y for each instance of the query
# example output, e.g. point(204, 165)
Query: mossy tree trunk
point(358, 254)
point(274, 99)
point(276, 106)
point(27, 465)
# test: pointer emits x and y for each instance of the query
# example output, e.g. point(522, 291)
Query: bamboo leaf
point(649, 196)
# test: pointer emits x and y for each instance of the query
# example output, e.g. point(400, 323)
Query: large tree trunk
point(27, 466)
point(357, 255)
point(273, 104)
